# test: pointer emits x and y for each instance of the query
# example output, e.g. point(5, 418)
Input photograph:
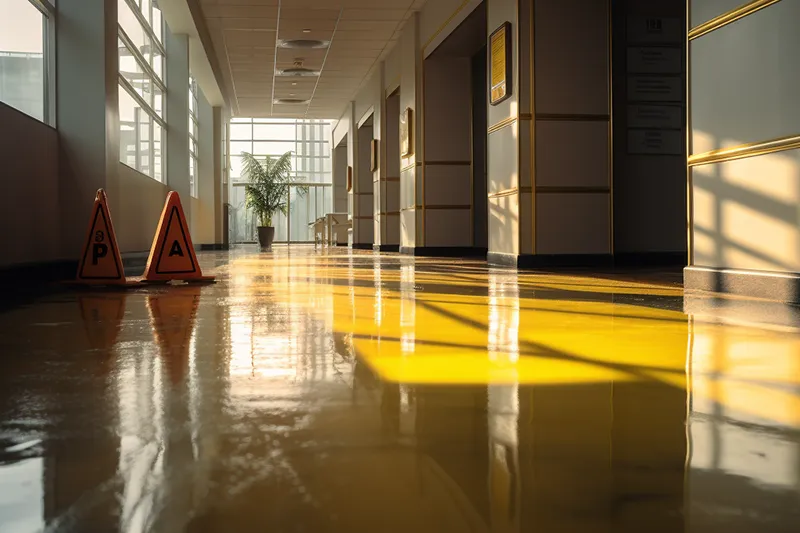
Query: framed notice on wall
point(349, 179)
point(500, 64)
point(407, 133)
point(373, 155)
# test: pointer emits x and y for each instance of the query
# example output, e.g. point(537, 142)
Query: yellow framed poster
point(500, 64)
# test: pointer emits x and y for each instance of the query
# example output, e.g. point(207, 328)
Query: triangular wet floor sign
point(100, 261)
point(172, 255)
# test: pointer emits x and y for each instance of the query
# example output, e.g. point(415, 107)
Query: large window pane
point(237, 147)
point(128, 110)
point(277, 148)
point(22, 57)
point(158, 155)
point(241, 132)
point(130, 25)
point(142, 145)
point(275, 132)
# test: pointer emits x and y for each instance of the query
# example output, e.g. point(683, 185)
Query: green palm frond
point(269, 180)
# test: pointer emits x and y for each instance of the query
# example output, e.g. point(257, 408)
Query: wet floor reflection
point(328, 391)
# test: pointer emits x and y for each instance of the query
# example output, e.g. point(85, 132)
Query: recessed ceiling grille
point(305, 44)
point(290, 101)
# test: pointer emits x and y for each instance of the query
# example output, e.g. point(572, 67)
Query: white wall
point(744, 88)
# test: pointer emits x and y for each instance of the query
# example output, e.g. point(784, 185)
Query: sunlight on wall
point(745, 213)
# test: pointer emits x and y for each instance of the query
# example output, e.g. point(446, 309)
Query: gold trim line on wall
point(412, 208)
point(447, 163)
point(500, 125)
point(363, 217)
point(545, 189)
point(729, 17)
point(501, 194)
point(742, 151)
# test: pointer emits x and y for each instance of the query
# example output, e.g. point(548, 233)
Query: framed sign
point(407, 133)
point(349, 179)
point(373, 155)
point(500, 64)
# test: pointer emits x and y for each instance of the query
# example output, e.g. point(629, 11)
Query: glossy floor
point(332, 391)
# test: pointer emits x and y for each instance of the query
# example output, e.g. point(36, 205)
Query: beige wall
point(572, 127)
point(136, 218)
point(448, 153)
point(29, 205)
point(744, 212)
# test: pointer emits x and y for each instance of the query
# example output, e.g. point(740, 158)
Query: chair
point(336, 226)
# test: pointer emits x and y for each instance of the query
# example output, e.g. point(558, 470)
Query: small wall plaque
point(349, 179)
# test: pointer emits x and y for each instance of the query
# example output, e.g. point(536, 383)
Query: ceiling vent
point(298, 70)
point(303, 44)
point(290, 101)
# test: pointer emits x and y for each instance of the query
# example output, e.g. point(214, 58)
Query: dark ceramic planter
point(265, 237)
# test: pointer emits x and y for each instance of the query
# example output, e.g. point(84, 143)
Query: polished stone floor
point(326, 391)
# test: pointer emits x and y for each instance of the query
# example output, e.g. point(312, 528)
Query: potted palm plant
point(267, 191)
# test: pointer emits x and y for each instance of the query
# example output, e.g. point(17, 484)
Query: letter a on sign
point(172, 255)
point(100, 263)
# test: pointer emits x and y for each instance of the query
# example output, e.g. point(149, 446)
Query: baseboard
point(386, 247)
point(211, 247)
point(443, 251)
point(740, 310)
point(776, 286)
point(650, 259)
point(362, 246)
point(550, 261)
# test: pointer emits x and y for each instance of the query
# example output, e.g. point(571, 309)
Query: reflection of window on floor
point(23, 494)
point(309, 140)
point(274, 341)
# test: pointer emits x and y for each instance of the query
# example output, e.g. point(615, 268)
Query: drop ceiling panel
point(244, 33)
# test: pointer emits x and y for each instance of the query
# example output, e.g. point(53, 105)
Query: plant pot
point(266, 234)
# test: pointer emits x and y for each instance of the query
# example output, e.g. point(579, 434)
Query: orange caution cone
point(100, 263)
point(172, 255)
point(172, 317)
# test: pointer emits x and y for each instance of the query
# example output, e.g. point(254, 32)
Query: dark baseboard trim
point(528, 261)
point(211, 247)
point(386, 247)
point(362, 246)
point(650, 259)
point(443, 251)
point(776, 286)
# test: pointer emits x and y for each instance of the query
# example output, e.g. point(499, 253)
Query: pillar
point(411, 210)
point(549, 163)
point(177, 49)
point(87, 113)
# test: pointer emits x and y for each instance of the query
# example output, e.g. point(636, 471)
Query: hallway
point(335, 390)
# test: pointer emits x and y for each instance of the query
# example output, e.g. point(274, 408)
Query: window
point(141, 87)
point(311, 165)
point(26, 29)
point(193, 136)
